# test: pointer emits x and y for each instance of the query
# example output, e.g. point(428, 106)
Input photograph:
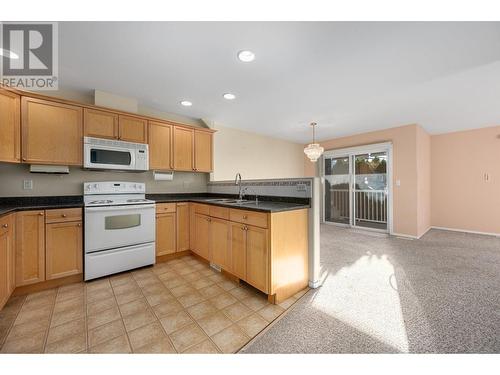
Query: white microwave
point(99, 153)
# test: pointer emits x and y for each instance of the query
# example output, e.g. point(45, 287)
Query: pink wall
point(423, 181)
point(461, 198)
point(405, 198)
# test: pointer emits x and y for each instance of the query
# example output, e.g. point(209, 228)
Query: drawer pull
point(5, 226)
point(40, 214)
point(64, 215)
point(245, 217)
point(79, 225)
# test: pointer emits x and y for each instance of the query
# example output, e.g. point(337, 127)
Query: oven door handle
point(119, 208)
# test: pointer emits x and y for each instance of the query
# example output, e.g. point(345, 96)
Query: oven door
point(109, 157)
point(110, 227)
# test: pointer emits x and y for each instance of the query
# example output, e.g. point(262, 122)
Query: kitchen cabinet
point(30, 247)
point(238, 248)
point(257, 257)
point(202, 235)
point(132, 129)
point(51, 132)
point(183, 149)
point(10, 127)
point(100, 124)
point(182, 216)
point(160, 146)
point(7, 258)
point(203, 151)
point(63, 249)
point(165, 233)
point(219, 243)
point(63, 243)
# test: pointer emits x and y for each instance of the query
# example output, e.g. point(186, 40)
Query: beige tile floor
point(181, 306)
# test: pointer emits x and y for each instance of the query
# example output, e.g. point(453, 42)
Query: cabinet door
point(160, 146)
point(6, 256)
point(202, 230)
point(192, 231)
point(257, 258)
point(238, 250)
point(10, 127)
point(165, 233)
point(219, 243)
point(182, 226)
point(51, 132)
point(183, 149)
point(202, 151)
point(133, 129)
point(30, 247)
point(63, 249)
point(100, 124)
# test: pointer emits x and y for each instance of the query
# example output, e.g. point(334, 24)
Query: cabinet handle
point(245, 217)
point(24, 159)
point(79, 225)
point(40, 214)
point(64, 215)
point(5, 226)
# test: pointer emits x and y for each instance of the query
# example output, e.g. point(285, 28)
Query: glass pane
point(337, 190)
point(370, 190)
point(122, 221)
point(110, 157)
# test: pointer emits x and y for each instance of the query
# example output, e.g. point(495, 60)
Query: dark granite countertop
point(265, 204)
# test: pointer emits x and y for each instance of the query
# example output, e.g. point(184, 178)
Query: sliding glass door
point(356, 187)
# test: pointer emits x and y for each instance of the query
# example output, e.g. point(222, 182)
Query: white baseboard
point(315, 284)
point(405, 236)
point(467, 231)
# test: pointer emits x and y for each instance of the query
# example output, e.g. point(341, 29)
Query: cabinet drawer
point(220, 212)
point(162, 208)
point(63, 214)
point(203, 209)
point(259, 219)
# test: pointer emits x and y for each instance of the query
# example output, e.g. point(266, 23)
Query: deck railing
point(371, 205)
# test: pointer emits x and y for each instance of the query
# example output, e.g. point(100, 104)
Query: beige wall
point(405, 196)
point(12, 176)
point(423, 181)
point(254, 156)
point(461, 198)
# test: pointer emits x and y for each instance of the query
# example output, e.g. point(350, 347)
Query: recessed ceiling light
point(246, 56)
point(186, 103)
point(9, 54)
point(229, 96)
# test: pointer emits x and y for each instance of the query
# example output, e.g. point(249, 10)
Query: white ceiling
point(349, 77)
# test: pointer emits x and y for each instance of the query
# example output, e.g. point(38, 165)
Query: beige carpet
point(440, 294)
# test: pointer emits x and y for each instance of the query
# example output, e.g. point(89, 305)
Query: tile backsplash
point(284, 187)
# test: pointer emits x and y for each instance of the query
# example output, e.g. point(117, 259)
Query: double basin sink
point(236, 202)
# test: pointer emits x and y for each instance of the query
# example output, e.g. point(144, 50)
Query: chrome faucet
point(237, 182)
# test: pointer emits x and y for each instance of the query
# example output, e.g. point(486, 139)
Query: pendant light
point(313, 150)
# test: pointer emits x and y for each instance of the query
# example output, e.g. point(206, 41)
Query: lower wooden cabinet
point(219, 245)
point(7, 258)
point(238, 250)
point(63, 249)
point(257, 258)
point(30, 247)
point(201, 235)
point(166, 233)
point(182, 226)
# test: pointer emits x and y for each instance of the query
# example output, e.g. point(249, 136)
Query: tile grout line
point(120, 312)
point(13, 321)
point(50, 321)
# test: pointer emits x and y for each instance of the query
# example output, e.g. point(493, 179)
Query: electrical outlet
point(27, 184)
point(301, 187)
point(398, 182)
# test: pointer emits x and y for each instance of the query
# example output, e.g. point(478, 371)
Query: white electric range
point(119, 227)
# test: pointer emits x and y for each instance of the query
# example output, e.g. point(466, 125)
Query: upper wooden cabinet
point(203, 155)
point(30, 247)
point(183, 149)
point(105, 124)
point(160, 146)
point(51, 132)
point(100, 124)
point(132, 129)
point(10, 127)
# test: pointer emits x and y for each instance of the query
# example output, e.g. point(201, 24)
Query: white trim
point(402, 235)
point(315, 284)
point(357, 149)
point(466, 231)
point(423, 234)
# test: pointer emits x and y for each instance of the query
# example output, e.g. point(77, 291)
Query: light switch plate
point(27, 184)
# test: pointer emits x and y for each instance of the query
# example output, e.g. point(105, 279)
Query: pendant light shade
point(313, 150)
